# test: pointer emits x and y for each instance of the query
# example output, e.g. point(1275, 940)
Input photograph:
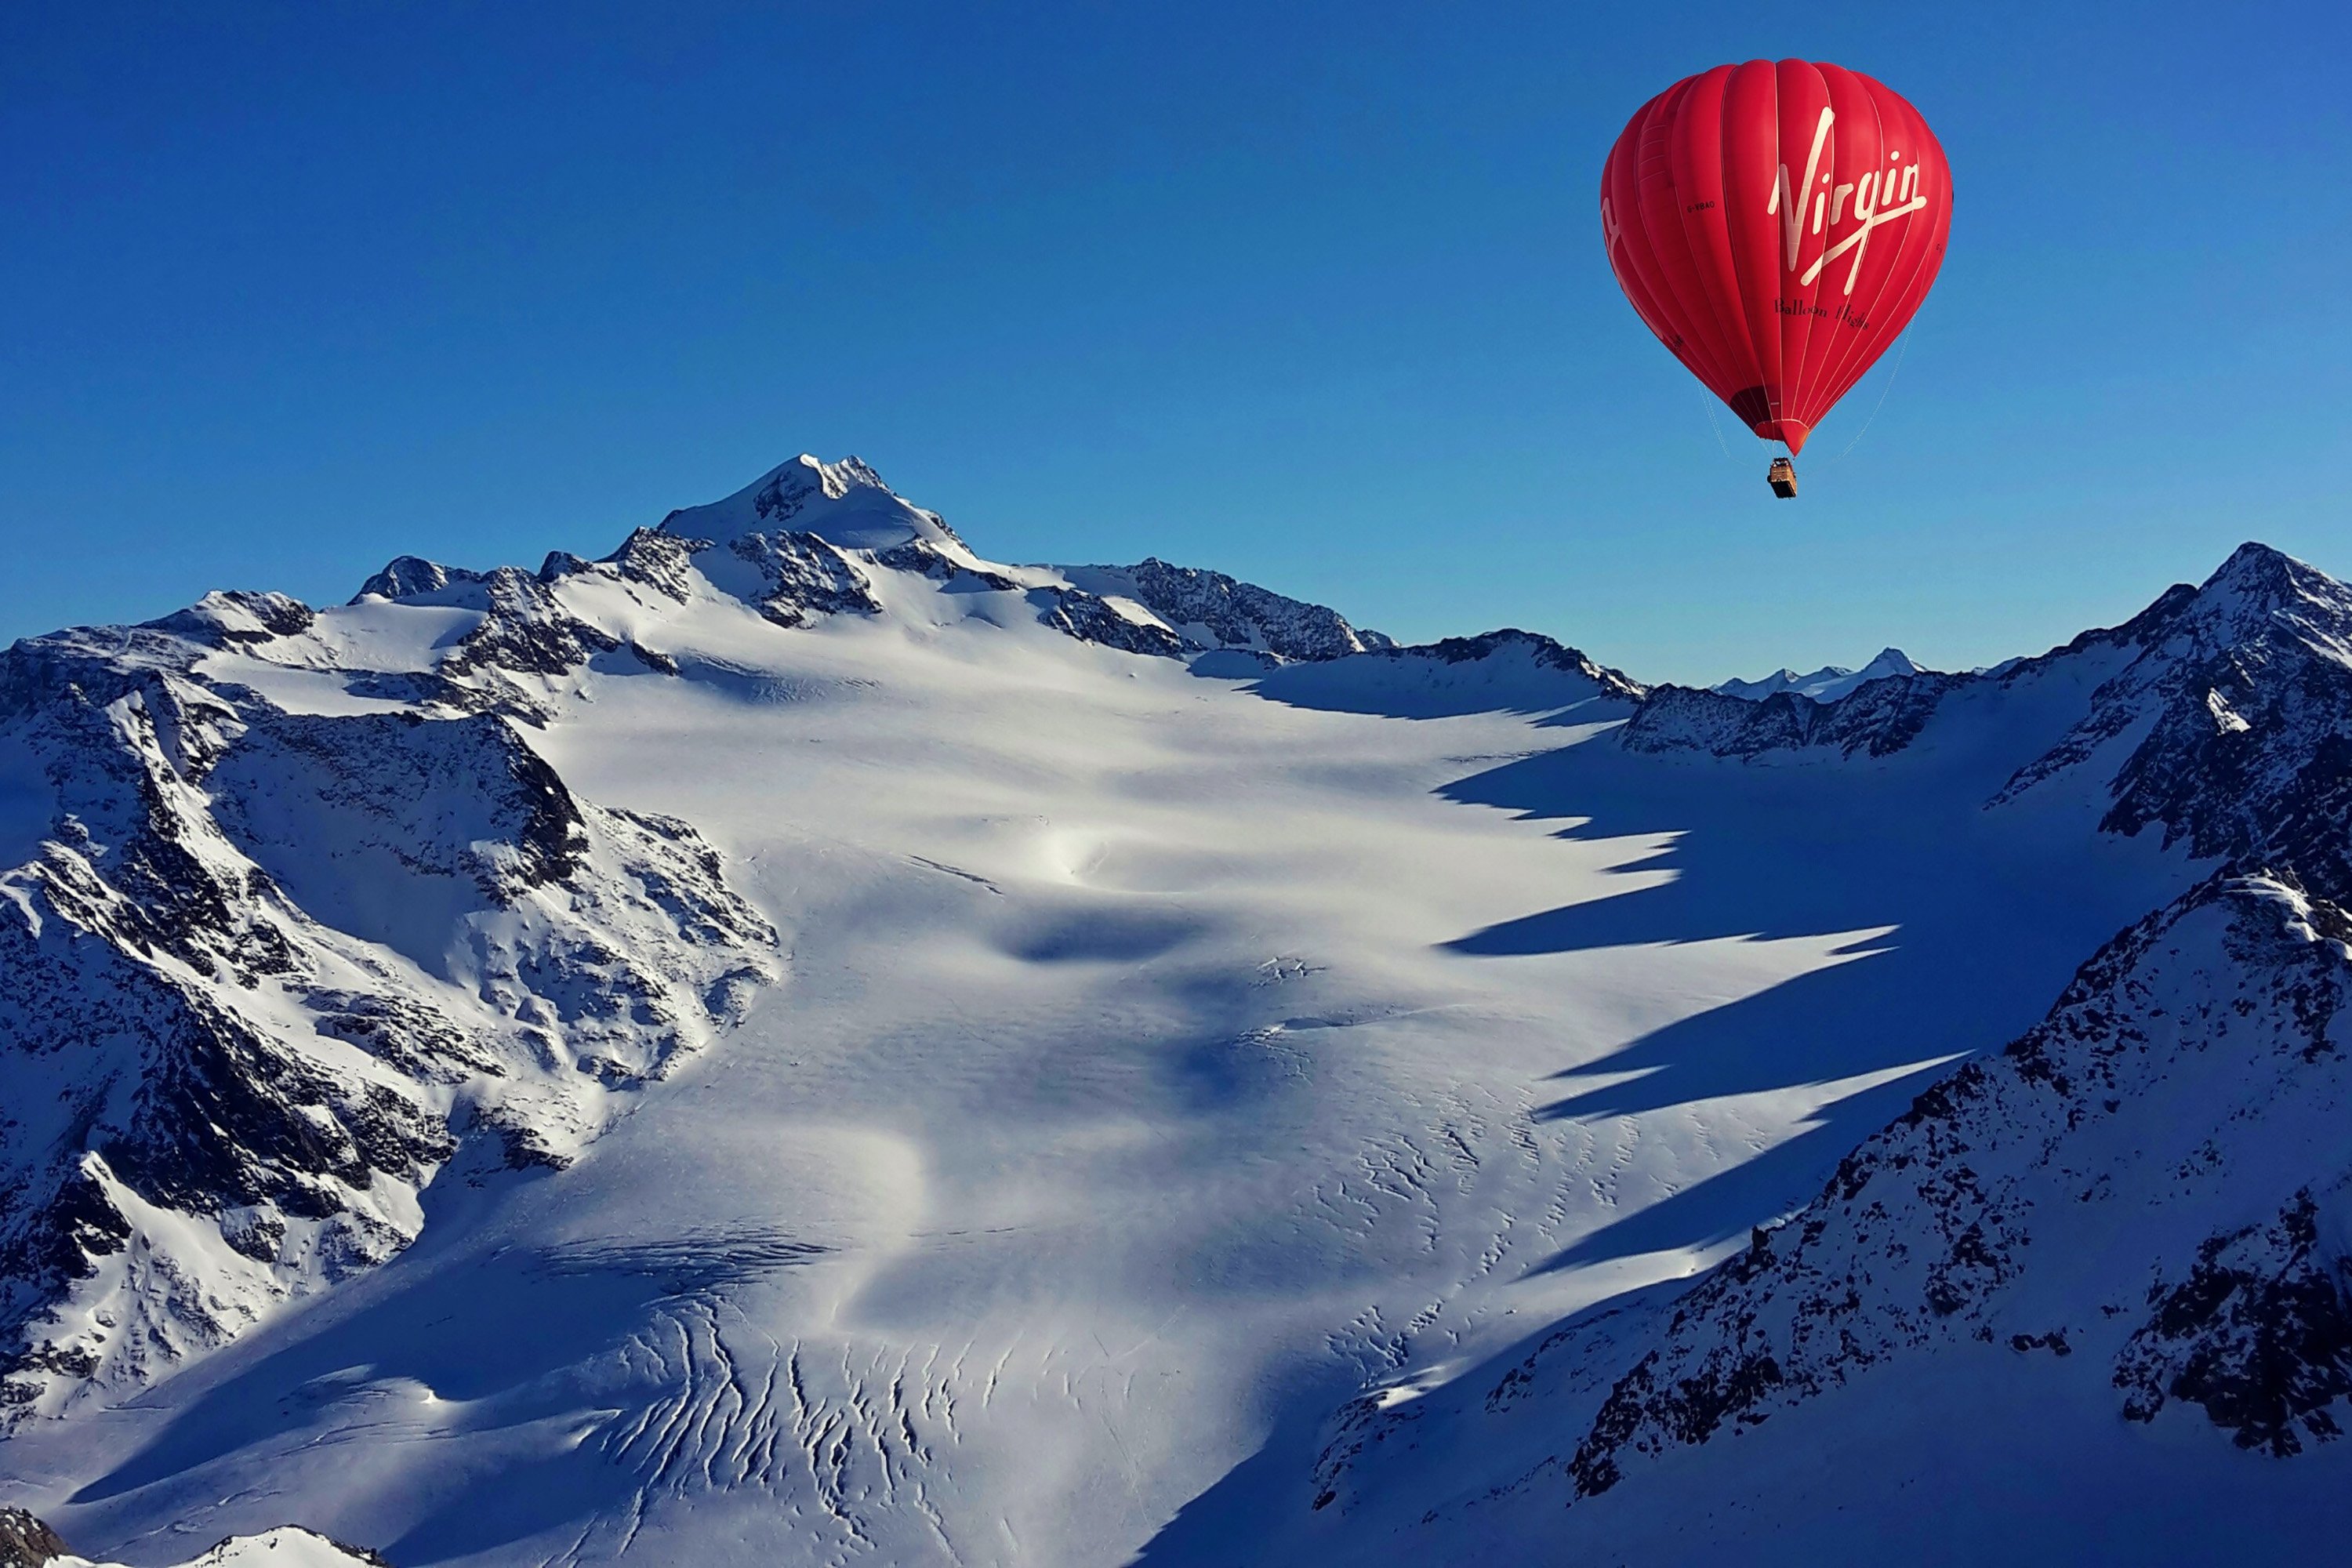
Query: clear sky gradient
point(1309, 293)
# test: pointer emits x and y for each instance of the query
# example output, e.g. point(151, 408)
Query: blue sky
point(1310, 293)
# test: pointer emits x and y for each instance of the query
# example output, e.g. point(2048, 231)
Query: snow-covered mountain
point(1826, 684)
point(27, 1543)
point(794, 1042)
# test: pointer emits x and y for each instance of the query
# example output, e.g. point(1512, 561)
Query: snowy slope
point(2119, 1245)
point(2118, 1248)
point(794, 1042)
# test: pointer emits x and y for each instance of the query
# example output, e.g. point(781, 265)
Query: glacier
point(796, 1043)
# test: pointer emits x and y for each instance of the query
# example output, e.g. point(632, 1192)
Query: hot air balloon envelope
point(1776, 225)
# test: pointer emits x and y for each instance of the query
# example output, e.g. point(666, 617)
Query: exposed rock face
point(2246, 693)
point(2265, 633)
point(807, 541)
point(2258, 1331)
point(410, 576)
point(284, 1548)
point(267, 971)
point(26, 1542)
point(806, 577)
point(1210, 610)
point(2172, 1118)
point(1092, 620)
point(844, 503)
point(1874, 720)
point(1542, 651)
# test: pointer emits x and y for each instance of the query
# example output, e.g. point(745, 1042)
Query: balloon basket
point(1782, 477)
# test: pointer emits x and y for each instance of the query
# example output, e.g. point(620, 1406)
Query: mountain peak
point(2260, 591)
point(2257, 576)
point(1826, 684)
point(2254, 561)
point(844, 503)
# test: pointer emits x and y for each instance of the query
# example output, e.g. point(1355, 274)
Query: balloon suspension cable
point(1901, 347)
point(1706, 401)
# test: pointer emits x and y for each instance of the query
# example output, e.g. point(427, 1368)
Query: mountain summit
point(844, 503)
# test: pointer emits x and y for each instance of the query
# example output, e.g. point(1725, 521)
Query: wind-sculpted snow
point(2139, 1203)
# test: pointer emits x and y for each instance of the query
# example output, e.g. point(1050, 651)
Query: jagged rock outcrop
point(1210, 610)
point(805, 542)
point(2258, 1330)
point(2244, 693)
point(269, 971)
point(284, 1548)
point(805, 577)
point(1534, 648)
point(1874, 720)
point(2174, 1119)
point(1090, 618)
point(26, 1542)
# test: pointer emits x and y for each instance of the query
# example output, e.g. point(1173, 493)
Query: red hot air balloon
point(1776, 224)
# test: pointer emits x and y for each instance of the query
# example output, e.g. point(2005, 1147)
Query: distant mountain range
point(1826, 684)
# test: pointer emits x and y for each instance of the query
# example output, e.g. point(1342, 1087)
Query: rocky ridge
point(2195, 1067)
point(1826, 684)
point(1208, 610)
point(271, 970)
point(2152, 1182)
point(1534, 648)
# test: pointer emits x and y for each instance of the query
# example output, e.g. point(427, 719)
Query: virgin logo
point(1873, 195)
